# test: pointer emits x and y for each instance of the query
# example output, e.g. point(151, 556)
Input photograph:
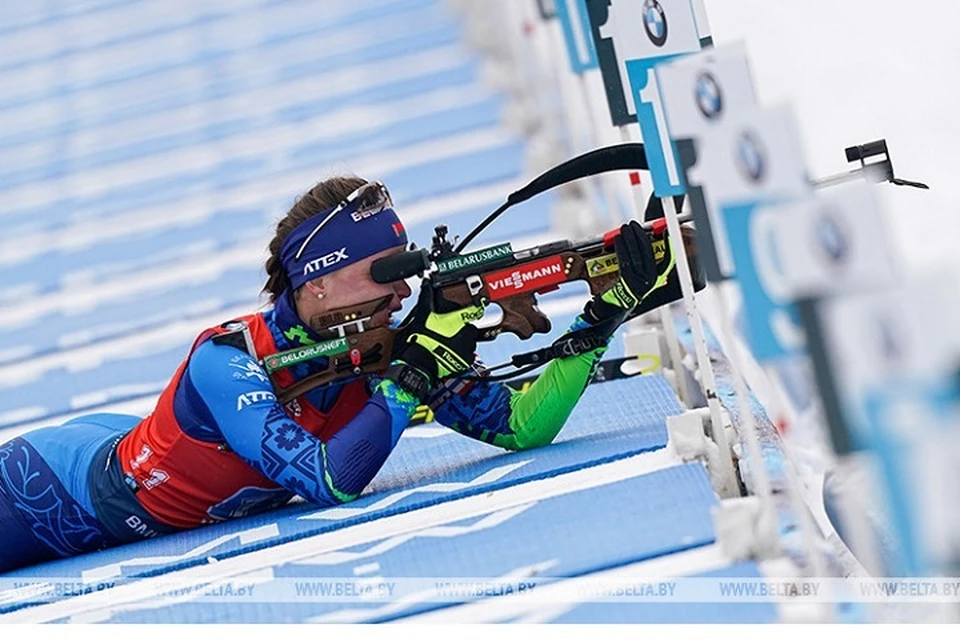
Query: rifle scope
point(400, 266)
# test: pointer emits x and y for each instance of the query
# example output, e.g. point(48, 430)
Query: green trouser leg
point(538, 414)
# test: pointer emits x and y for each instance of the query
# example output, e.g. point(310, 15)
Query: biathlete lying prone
point(221, 444)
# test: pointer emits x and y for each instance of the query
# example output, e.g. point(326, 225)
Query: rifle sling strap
point(571, 344)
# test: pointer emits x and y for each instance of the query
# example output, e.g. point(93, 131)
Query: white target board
point(893, 357)
point(751, 162)
point(830, 243)
point(699, 92)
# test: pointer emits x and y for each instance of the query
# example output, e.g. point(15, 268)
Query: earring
point(320, 296)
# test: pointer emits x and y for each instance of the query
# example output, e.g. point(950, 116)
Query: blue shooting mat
point(677, 612)
point(487, 164)
point(19, 19)
point(421, 128)
point(458, 75)
point(229, 173)
point(311, 25)
point(428, 29)
point(43, 272)
point(18, 16)
point(43, 17)
point(613, 420)
point(360, 10)
point(567, 535)
point(204, 134)
point(155, 305)
point(449, 175)
point(60, 392)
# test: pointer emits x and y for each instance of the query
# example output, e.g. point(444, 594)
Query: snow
point(860, 70)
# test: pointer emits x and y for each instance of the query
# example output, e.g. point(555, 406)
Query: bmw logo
point(655, 22)
point(750, 157)
point(831, 238)
point(708, 95)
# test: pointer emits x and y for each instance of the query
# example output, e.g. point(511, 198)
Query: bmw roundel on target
point(750, 157)
point(831, 239)
point(709, 98)
point(655, 22)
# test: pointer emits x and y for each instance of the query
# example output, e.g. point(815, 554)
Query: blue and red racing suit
point(219, 445)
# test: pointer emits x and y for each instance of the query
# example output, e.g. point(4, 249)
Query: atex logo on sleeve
point(253, 397)
point(531, 277)
point(325, 262)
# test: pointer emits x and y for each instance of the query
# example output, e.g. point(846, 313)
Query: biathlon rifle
point(498, 275)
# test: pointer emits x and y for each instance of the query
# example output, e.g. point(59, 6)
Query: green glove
point(639, 275)
point(438, 344)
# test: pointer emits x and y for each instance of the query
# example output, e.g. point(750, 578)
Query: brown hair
point(324, 195)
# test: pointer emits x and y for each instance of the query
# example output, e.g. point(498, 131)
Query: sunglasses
point(369, 199)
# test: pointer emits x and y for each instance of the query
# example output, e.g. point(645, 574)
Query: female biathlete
point(220, 445)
